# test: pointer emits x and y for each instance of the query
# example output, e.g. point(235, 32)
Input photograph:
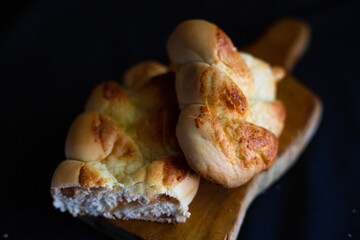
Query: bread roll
point(230, 118)
point(123, 157)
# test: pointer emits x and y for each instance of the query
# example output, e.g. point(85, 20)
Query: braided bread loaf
point(124, 158)
point(229, 117)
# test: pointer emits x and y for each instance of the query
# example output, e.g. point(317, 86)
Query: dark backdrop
point(52, 53)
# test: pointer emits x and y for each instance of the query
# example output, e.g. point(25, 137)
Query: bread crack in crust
point(230, 118)
point(124, 159)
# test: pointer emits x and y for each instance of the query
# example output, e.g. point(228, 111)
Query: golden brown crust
point(269, 115)
point(168, 171)
point(141, 73)
point(67, 174)
point(158, 91)
point(104, 130)
point(203, 45)
point(250, 141)
point(154, 133)
point(207, 123)
point(222, 95)
point(228, 54)
point(91, 137)
point(71, 173)
point(112, 91)
point(201, 41)
point(175, 170)
point(111, 99)
point(89, 177)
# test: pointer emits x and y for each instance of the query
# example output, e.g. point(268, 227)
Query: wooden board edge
point(110, 230)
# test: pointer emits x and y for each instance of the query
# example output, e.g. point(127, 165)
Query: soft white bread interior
point(124, 160)
point(230, 118)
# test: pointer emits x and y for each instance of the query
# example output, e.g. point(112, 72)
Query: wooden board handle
point(283, 43)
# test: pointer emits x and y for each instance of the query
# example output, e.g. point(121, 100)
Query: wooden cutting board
point(217, 212)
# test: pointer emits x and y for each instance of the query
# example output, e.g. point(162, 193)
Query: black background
point(52, 53)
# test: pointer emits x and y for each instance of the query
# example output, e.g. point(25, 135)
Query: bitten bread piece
point(124, 160)
point(229, 116)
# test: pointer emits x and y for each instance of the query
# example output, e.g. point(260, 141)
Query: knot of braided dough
point(229, 116)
